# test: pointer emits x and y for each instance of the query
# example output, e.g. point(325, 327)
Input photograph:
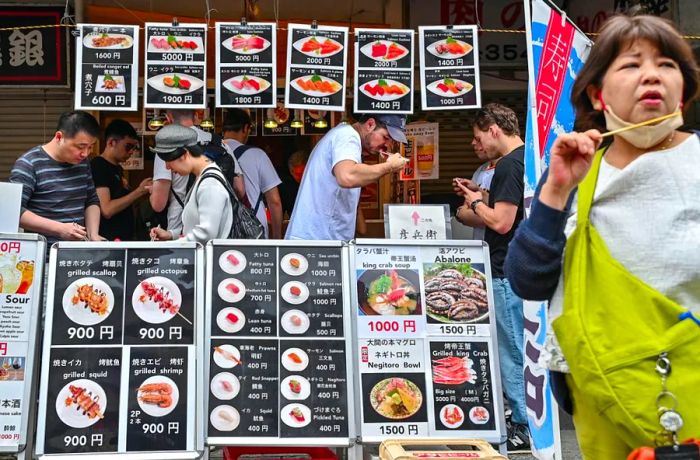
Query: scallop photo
point(295, 322)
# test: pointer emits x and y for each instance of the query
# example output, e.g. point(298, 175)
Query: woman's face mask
point(643, 137)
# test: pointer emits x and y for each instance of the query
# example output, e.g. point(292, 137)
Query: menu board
point(107, 67)
point(176, 69)
point(119, 359)
point(21, 270)
point(278, 344)
point(383, 71)
point(428, 362)
point(316, 66)
point(246, 63)
point(449, 67)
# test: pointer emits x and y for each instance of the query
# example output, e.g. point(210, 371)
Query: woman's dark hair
point(616, 34)
point(499, 115)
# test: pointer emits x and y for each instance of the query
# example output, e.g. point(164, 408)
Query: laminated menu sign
point(246, 64)
point(426, 341)
point(383, 71)
point(107, 67)
point(316, 66)
point(119, 350)
point(21, 263)
point(277, 344)
point(175, 69)
point(449, 67)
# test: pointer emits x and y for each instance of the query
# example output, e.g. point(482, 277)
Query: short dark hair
point(499, 115)
point(119, 129)
point(75, 121)
point(236, 120)
point(181, 115)
point(616, 34)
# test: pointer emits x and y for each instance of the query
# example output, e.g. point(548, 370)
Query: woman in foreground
point(612, 241)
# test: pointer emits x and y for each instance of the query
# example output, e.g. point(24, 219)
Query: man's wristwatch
point(475, 203)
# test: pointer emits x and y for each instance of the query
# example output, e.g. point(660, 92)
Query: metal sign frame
point(195, 372)
point(348, 341)
point(497, 436)
point(26, 430)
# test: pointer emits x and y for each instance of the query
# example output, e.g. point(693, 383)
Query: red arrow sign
point(415, 216)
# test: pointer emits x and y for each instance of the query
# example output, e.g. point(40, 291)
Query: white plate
point(218, 390)
point(197, 40)
point(87, 42)
point(228, 326)
point(433, 88)
point(291, 421)
point(80, 314)
point(226, 363)
point(295, 300)
point(291, 365)
point(149, 310)
point(264, 84)
point(228, 266)
point(384, 97)
point(121, 88)
point(303, 263)
point(299, 44)
point(315, 93)
point(221, 424)
point(432, 46)
point(155, 410)
point(479, 415)
point(71, 415)
point(228, 44)
point(291, 328)
point(450, 408)
point(367, 50)
point(156, 83)
point(289, 394)
point(229, 296)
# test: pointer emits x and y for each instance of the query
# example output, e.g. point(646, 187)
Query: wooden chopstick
point(644, 123)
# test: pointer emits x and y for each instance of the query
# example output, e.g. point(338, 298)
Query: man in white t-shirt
point(326, 205)
point(261, 179)
point(167, 184)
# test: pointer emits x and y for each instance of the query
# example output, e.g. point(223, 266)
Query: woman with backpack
point(207, 213)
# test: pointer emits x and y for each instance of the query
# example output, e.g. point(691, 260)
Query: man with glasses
point(58, 194)
point(116, 198)
point(326, 205)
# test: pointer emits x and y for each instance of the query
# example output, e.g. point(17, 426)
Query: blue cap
point(396, 125)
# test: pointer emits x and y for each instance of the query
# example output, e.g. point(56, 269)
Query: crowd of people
point(611, 240)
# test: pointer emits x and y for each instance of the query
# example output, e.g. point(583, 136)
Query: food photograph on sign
point(448, 48)
point(88, 301)
point(388, 292)
point(462, 386)
point(450, 87)
point(16, 274)
point(175, 85)
point(394, 397)
point(107, 41)
point(455, 293)
point(176, 44)
point(156, 300)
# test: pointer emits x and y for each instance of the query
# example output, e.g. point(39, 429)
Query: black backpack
point(245, 225)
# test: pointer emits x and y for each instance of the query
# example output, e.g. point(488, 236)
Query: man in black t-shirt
point(500, 210)
point(116, 199)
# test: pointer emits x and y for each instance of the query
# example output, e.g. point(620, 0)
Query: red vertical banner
point(552, 73)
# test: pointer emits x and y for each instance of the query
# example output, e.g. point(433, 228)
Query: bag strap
point(238, 153)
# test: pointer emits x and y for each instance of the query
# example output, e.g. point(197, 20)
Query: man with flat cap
point(326, 205)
